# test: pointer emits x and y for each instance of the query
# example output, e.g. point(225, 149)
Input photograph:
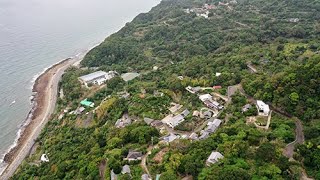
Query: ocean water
point(35, 34)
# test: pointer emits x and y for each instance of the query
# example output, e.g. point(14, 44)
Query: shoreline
point(43, 100)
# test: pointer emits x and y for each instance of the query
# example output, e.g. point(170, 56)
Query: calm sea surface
point(34, 34)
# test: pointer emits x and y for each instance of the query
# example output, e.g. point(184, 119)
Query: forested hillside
point(268, 49)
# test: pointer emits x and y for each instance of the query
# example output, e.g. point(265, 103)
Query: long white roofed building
point(97, 78)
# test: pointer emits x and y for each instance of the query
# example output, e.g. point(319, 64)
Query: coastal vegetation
point(269, 48)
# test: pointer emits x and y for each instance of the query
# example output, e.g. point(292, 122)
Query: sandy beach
point(46, 90)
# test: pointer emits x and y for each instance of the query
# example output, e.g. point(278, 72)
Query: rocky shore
point(45, 94)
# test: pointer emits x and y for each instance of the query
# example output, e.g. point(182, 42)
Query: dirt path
point(102, 169)
point(46, 87)
point(143, 163)
point(289, 150)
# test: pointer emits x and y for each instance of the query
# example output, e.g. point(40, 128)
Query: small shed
point(44, 158)
point(87, 103)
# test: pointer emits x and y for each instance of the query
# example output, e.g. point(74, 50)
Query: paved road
point(289, 150)
point(43, 119)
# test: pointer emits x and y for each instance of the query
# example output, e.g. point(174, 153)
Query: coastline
point(43, 100)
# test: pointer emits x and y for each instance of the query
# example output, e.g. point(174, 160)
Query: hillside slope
point(270, 48)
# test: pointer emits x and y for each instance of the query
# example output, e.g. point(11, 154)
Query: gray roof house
point(145, 177)
point(134, 156)
point(193, 136)
point(185, 113)
point(156, 123)
point(204, 135)
point(173, 121)
point(214, 158)
point(170, 138)
point(126, 169)
point(246, 107)
point(123, 122)
point(211, 128)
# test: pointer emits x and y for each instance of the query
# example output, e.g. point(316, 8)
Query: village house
point(193, 90)
point(134, 156)
point(185, 113)
point(209, 102)
point(126, 169)
point(204, 135)
point(206, 114)
point(263, 108)
point(174, 107)
point(212, 126)
point(205, 97)
point(171, 137)
point(97, 78)
point(156, 123)
point(246, 107)
point(196, 114)
point(193, 136)
point(123, 122)
point(145, 177)
point(214, 158)
point(216, 87)
point(173, 121)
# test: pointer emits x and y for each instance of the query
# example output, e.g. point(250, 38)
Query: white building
point(44, 158)
point(205, 97)
point(175, 120)
point(97, 78)
point(170, 138)
point(214, 158)
point(263, 108)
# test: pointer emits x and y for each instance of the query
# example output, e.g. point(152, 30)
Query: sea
point(35, 34)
